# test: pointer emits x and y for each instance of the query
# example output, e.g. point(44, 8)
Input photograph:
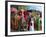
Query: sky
point(35, 7)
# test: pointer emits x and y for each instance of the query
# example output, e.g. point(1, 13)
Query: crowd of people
point(25, 20)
